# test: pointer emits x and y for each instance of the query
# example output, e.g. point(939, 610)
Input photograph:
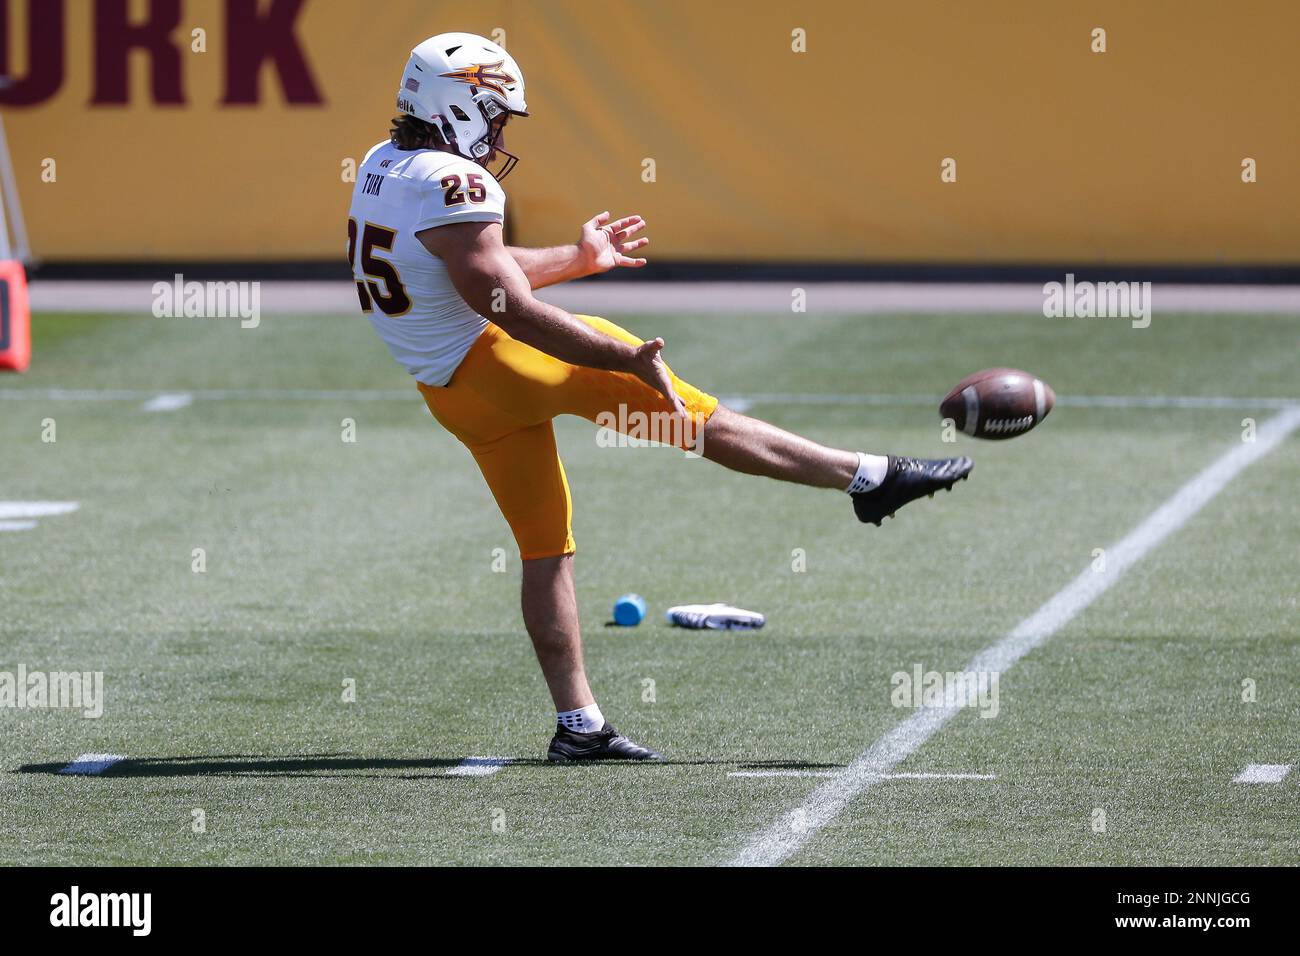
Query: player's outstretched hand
point(648, 365)
point(604, 244)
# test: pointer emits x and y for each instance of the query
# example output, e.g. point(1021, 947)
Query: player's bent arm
point(549, 266)
point(601, 246)
point(490, 280)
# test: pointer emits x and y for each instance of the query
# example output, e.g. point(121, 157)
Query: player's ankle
point(870, 474)
point(584, 720)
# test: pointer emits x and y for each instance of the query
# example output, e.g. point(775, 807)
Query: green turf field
point(372, 561)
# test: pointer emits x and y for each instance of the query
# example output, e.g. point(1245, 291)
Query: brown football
point(998, 403)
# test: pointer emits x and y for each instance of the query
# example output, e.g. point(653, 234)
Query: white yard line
point(209, 395)
point(92, 765)
point(35, 509)
point(792, 830)
point(883, 776)
point(339, 297)
point(939, 776)
point(760, 774)
point(478, 766)
point(1263, 773)
point(22, 515)
point(168, 400)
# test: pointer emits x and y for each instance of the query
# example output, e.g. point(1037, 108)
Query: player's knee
point(546, 566)
point(723, 422)
point(544, 545)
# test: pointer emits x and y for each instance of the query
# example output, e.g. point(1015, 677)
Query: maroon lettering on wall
point(116, 37)
point(252, 39)
point(44, 54)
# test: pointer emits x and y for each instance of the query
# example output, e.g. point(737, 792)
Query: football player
point(495, 365)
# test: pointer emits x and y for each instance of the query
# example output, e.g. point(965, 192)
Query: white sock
point(585, 720)
point(871, 472)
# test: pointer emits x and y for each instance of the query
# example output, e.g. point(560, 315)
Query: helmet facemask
point(497, 160)
point(489, 149)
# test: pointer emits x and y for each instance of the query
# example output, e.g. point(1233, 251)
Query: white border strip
point(92, 765)
point(478, 767)
point(792, 830)
point(168, 402)
point(1263, 773)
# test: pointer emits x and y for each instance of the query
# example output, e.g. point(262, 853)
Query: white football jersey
point(404, 289)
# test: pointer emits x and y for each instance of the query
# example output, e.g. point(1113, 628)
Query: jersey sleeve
point(460, 192)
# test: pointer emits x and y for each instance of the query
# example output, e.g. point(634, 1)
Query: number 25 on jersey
point(392, 300)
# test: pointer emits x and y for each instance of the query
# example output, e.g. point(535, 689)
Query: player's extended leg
point(879, 484)
point(754, 447)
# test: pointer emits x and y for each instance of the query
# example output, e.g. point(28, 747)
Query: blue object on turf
point(629, 610)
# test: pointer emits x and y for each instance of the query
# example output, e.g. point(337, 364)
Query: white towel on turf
point(716, 617)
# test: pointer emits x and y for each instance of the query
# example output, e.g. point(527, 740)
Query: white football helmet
point(462, 83)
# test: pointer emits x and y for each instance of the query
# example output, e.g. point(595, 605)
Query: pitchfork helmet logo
point(489, 76)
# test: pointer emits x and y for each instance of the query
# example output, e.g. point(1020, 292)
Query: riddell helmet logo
point(487, 75)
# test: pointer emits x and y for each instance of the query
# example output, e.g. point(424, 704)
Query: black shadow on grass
point(336, 764)
point(225, 765)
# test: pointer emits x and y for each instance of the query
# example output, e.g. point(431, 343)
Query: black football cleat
point(906, 480)
point(569, 746)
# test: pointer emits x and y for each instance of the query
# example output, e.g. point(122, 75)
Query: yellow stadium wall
point(761, 153)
